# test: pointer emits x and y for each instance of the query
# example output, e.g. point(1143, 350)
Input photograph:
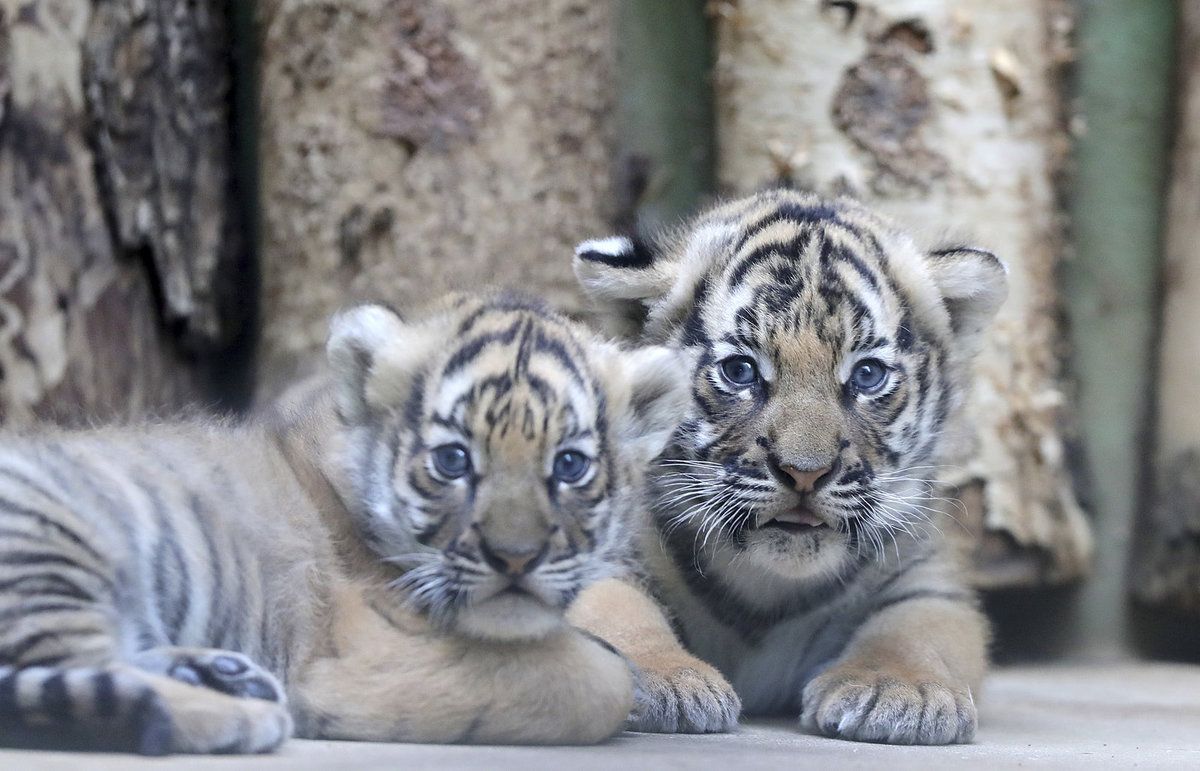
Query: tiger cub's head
point(830, 352)
point(493, 451)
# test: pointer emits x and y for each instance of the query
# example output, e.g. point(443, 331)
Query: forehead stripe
point(471, 349)
point(558, 351)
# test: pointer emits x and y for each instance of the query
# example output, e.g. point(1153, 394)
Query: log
point(157, 79)
point(410, 146)
point(948, 116)
point(1166, 560)
point(98, 205)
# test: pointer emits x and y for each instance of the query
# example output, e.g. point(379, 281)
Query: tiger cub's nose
point(807, 480)
point(512, 561)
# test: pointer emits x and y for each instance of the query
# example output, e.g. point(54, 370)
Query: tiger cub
point(790, 539)
point(394, 552)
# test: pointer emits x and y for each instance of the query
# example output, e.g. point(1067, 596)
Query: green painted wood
point(665, 138)
point(1125, 73)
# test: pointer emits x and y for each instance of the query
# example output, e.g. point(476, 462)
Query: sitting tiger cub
point(790, 541)
point(394, 551)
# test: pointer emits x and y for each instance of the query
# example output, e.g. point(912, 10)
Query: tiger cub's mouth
point(798, 519)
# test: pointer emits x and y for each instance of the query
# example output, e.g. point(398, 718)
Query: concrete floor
point(1119, 716)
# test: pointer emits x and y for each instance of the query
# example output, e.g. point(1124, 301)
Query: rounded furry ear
point(652, 394)
point(618, 273)
point(372, 353)
point(973, 283)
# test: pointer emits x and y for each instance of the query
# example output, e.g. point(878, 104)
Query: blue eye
point(570, 466)
point(869, 376)
point(739, 370)
point(451, 460)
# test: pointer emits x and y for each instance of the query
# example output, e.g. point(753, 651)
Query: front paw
point(872, 706)
point(683, 695)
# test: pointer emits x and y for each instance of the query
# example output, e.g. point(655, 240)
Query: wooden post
point(664, 112)
point(949, 117)
point(1166, 563)
point(1125, 72)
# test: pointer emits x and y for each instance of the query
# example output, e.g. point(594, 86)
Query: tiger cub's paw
point(683, 695)
point(872, 706)
point(229, 672)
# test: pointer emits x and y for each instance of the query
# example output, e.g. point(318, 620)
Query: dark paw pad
point(230, 673)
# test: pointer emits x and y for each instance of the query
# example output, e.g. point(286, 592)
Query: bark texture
point(96, 202)
point(410, 146)
point(947, 116)
point(158, 90)
point(1166, 562)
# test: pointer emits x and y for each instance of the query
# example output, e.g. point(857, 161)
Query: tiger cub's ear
point(649, 392)
point(619, 274)
point(374, 354)
point(973, 283)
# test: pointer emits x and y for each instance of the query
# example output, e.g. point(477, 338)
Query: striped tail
point(97, 708)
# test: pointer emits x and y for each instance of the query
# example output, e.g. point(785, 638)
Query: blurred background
point(188, 188)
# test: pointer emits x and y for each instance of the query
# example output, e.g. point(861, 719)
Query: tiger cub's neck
point(310, 437)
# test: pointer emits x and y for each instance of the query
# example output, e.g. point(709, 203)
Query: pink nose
point(804, 480)
point(511, 561)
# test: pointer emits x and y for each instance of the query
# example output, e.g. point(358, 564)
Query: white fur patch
point(366, 327)
point(613, 246)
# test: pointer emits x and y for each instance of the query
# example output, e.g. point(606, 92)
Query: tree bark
point(947, 116)
point(113, 174)
point(1166, 562)
point(410, 146)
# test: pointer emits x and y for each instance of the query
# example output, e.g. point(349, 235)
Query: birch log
point(947, 116)
point(1166, 562)
point(409, 146)
point(113, 178)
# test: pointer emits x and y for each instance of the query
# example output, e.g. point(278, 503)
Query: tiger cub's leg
point(676, 692)
point(908, 676)
point(60, 674)
point(120, 707)
point(229, 672)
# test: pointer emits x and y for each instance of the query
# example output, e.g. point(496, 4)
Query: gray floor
point(1117, 716)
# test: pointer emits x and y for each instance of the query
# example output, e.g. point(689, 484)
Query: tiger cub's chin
point(803, 556)
point(509, 615)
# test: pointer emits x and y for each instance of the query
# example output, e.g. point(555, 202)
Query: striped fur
point(798, 552)
point(163, 586)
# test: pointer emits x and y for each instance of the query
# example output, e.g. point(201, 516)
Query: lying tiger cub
point(394, 552)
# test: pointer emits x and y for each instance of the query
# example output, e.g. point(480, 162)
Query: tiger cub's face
point(494, 451)
point(830, 351)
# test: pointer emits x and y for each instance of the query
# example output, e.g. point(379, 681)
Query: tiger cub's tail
point(122, 708)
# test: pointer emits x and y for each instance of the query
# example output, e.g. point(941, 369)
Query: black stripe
point(557, 350)
point(15, 653)
point(51, 584)
point(22, 610)
point(216, 599)
point(468, 736)
point(38, 558)
point(150, 723)
point(471, 349)
point(927, 594)
point(104, 696)
point(9, 706)
point(747, 263)
point(902, 571)
point(10, 507)
point(55, 701)
point(171, 598)
point(639, 256)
